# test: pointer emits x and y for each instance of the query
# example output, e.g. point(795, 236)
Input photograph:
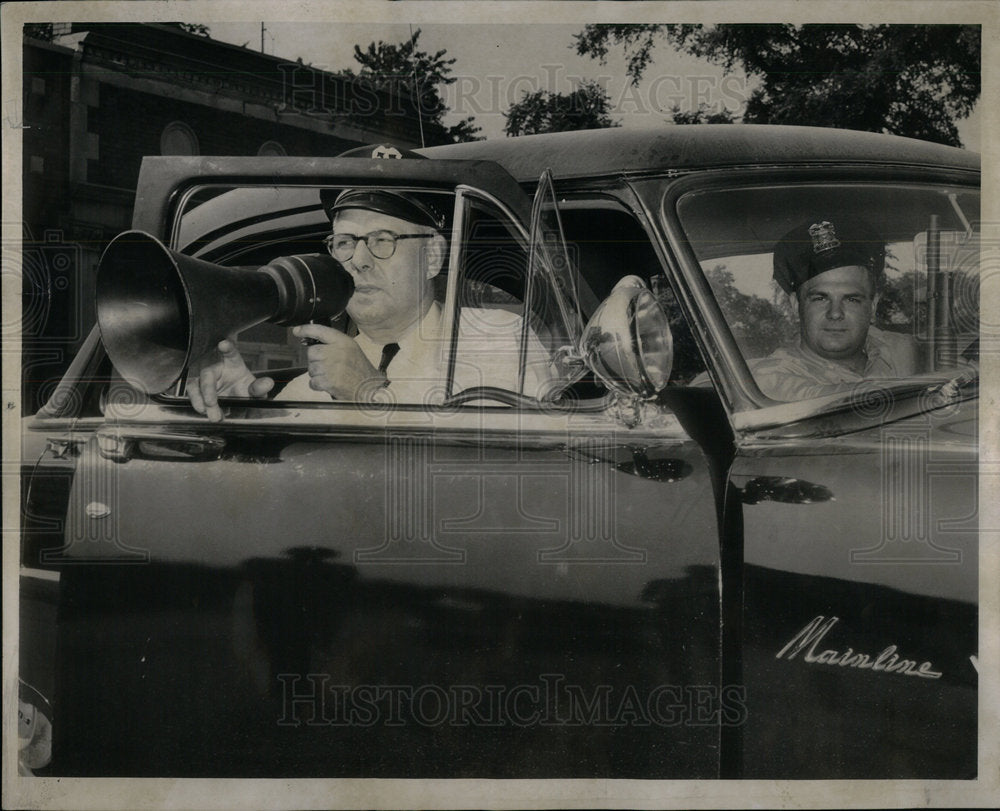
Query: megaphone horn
point(158, 309)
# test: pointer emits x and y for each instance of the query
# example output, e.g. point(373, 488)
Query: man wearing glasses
point(392, 245)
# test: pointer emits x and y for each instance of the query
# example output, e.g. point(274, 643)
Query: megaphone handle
point(313, 341)
point(309, 341)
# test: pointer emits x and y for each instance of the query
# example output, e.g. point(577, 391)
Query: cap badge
point(824, 237)
point(383, 151)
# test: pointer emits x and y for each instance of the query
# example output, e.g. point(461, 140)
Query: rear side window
point(482, 334)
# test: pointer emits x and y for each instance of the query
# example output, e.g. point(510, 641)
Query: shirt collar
point(427, 328)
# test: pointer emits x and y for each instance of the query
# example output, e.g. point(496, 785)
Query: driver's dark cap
point(418, 209)
point(825, 243)
point(421, 209)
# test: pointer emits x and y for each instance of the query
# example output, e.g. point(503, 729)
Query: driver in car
point(832, 270)
point(391, 242)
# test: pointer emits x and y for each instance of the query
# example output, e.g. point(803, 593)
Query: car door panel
point(535, 563)
point(851, 536)
point(288, 593)
point(874, 639)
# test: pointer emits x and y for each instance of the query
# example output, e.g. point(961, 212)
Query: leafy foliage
point(913, 80)
point(759, 326)
point(638, 42)
point(418, 75)
point(587, 107)
point(194, 28)
point(42, 31)
point(703, 115)
point(901, 301)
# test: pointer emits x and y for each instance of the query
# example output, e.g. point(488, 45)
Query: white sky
point(496, 63)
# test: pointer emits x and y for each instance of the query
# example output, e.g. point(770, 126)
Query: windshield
point(823, 286)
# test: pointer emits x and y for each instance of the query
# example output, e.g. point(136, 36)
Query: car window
point(484, 333)
point(497, 333)
point(606, 243)
point(924, 315)
point(249, 227)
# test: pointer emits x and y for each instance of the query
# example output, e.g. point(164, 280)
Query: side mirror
point(627, 342)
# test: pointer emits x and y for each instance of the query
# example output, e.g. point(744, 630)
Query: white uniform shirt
point(488, 355)
point(796, 372)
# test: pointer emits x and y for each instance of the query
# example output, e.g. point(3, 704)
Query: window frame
point(463, 197)
point(749, 408)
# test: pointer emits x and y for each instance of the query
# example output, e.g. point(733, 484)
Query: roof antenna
point(416, 87)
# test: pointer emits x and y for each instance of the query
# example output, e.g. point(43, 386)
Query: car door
point(488, 586)
point(854, 513)
point(874, 641)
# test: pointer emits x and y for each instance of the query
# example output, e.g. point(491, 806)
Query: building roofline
point(233, 71)
point(46, 45)
point(207, 44)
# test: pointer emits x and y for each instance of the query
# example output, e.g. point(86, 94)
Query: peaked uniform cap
point(421, 209)
point(824, 243)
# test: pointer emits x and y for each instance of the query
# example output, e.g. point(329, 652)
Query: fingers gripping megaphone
point(158, 309)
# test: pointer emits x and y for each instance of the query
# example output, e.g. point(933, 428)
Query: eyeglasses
point(381, 244)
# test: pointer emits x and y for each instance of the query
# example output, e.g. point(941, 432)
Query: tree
point(637, 41)
point(587, 107)
point(898, 300)
point(759, 326)
point(43, 31)
point(703, 115)
point(197, 29)
point(418, 75)
point(913, 80)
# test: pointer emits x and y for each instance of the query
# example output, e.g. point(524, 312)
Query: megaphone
point(158, 309)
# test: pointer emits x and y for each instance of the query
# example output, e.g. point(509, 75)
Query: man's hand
point(222, 373)
point(338, 366)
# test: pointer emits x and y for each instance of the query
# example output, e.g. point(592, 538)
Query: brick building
point(99, 97)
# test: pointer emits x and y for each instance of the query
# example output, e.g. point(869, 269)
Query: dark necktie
point(388, 353)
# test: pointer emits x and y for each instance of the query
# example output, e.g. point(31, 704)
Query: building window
point(178, 139)
point(38, 86)
point(37, 164)
point(271, 149)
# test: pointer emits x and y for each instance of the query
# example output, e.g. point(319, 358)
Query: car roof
point(615, 151)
